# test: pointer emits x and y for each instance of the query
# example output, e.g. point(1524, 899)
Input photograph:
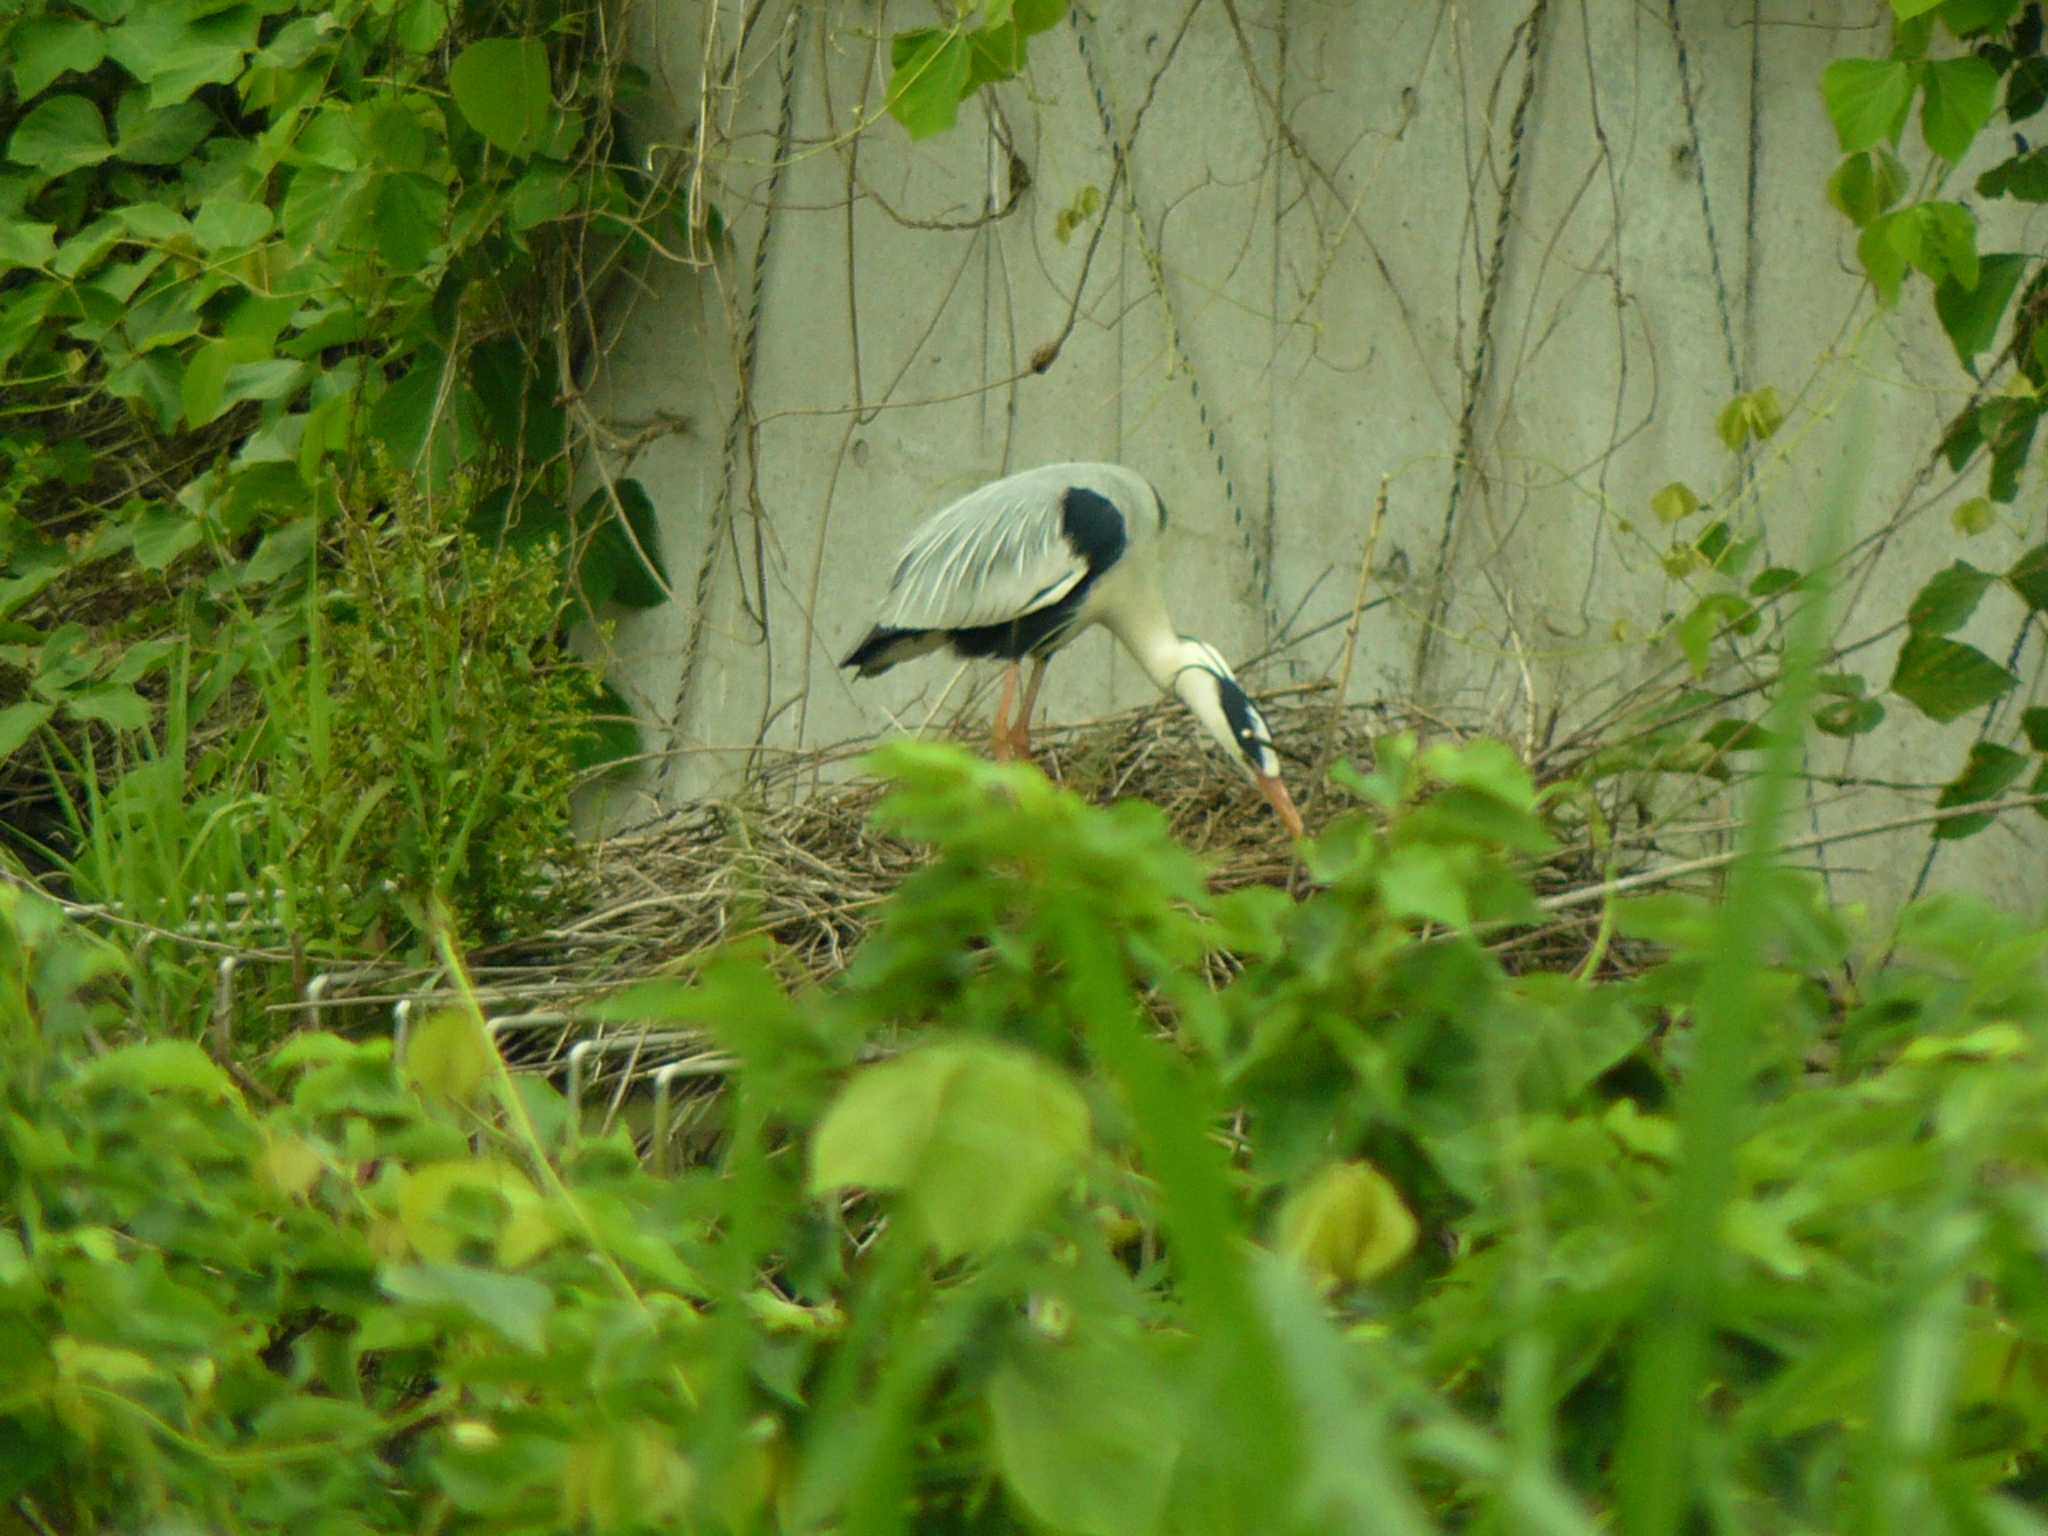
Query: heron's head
point(1211, 691)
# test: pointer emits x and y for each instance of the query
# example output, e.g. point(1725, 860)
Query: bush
point(1380, 1236)
point(428, 736)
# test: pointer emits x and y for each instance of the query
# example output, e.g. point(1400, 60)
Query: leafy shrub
point(1381, 1236)
point(246, 253)
point(429, 734)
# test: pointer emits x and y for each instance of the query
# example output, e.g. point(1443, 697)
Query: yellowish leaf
point(290, 1165)
point(1974, 516)
point(447, 1055)
point(1345, 1225)
point(1675, 503)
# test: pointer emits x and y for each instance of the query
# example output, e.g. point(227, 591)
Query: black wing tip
point(883, 648)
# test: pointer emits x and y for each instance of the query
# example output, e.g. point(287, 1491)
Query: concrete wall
point(1545, 242)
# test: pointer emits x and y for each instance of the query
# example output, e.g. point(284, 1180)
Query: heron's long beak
point(1282, 802)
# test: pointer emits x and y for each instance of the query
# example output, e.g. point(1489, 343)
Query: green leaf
point(1906, 10)
point(1971, 315)
point(1488, 766)
point(2009, 427)
point(1848, 717)
point(20, 721)
point(544, 193)
point(158, 135)
point(1938, 239)
point(978, 1136)
point(1959, 96)
point(423, 431)
point(122, 708)
point(1757, 415)
point(331, 140)
point(284, 551)
point(2026, 88)
point(154, 222)
point(26, 245)
point(1866, 184)
point(931, 71)
point(422, 23)
point(2029, 577)
point(22, 311)
point(1775, 579)
point(447, 1055)
point(994, 53)
point(1086, 204)
point(1987, 773)
point(1968, 18)
point(1711, 615)
point(1346, 1225)
point(1882, 263)
point(502, 86)
point(45, 47)
point(1973, 517)
point(512, 1306)
point(1867, 100)
point(2034, 722)
point(1427, 883)
point(408, 217)
point(1944, 679)
point(1087, 1433)
point(60, 135)
point(2004, 423)
point(2023, 178)
point(1948, 599)
point(32, 567)
point(167, 314)
point(608, 734)
point(174, 53)
point(1726, 736)
point(162, 1066)
point(1035, 16)
point(624, 551)
point(1674, 504)
point(397, 135)
point(203, 392)
point(226, 224)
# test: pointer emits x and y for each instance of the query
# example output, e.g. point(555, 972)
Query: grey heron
point(1023, 565)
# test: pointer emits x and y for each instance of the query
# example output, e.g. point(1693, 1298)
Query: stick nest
point(797, 859)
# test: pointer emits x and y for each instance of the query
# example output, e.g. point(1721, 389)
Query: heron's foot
point(1013, 745)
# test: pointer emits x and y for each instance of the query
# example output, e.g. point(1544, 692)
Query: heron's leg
point(1020, 733)
point(1002, 748)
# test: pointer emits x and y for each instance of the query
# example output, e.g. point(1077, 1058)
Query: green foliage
point(934, 69)
point(1868, 101)
point(1014, 1274)
point(1946, 679)
point(283, 303)
point(391, 762)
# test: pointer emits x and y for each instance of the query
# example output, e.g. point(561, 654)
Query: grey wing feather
point(995, 555)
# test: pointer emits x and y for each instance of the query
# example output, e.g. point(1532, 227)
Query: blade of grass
point(1172, 1122)
point(1657, 1457)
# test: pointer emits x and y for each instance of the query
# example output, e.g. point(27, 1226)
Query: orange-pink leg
point(1020, 733)
point(1004, 747)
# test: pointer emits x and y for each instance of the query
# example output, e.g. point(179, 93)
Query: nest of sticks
point(797, 859)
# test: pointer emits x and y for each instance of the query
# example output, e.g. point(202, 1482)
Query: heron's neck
point(1148, 634)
